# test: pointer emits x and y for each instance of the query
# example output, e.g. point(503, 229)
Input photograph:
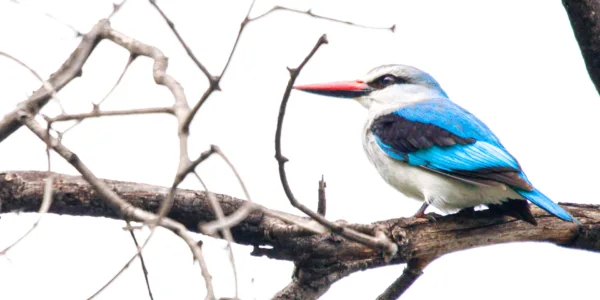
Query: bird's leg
point(421, 213)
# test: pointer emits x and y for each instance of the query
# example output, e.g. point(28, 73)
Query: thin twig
point(310, 13)
point(322, 205)
point(245, 22)
point(375, 243)
point(412, 272)
point(144, 269)
point(116, 8)
point(46, 202)
point(232, 220)
point(98, 113)
point(241, 213)
point(77, 32)
point(45, 83)
point(214, 81)
point(132, 57)
point(114, 277)
point(235, 172)
point(226, 232)
point(187, 48)
point(201, 158)
point(96, 106)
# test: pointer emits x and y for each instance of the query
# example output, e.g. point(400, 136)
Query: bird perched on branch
point(433, 150)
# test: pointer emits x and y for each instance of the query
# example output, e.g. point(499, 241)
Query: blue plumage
point(446, 114)
point(539, 199)
point(479, 155)
point(460, 145)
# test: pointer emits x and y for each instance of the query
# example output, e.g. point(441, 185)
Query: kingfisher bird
point(432, 150)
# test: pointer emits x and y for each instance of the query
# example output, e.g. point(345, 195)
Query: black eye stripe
point(385, 80)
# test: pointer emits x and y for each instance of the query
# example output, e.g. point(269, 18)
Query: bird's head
point(382, 87)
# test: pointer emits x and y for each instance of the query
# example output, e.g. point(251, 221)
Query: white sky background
point(515, 64)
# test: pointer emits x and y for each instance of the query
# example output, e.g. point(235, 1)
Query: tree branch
point(412, 272)
point(70, 69)
point(585, 20)
point(322, 258)
point(311, 14)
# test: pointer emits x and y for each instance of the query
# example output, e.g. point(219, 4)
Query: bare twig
point(310, 13)
point(412, 272)
point(46, 202)
point(116, 8)
point(96, 106)
point(98, 113)
point(372, 242)
point(226, 232)
point(322, 205)
point(241, 213)
point(48, 86)
point(215, 80)
point(132, 57)
point(187, 48)
point(232, 220)
point(142, 262)
point(235, 172)
point(192, 166)
point(77, 32)
point(114, 277)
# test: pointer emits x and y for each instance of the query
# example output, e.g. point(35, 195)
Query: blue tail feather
point(539, 199)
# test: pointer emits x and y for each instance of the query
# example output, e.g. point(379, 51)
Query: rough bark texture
point(320, 259)
point(585, 20)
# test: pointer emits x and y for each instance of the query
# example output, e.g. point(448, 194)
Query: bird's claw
point(431, 217)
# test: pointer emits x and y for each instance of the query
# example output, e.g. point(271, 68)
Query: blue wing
point(443, 137)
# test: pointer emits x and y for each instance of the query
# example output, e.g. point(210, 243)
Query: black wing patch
point(406, 136)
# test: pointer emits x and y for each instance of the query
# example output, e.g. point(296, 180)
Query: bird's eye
point(387, 80)
point(384, 81)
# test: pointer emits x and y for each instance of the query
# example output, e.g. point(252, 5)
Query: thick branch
point(585, 20)
point(325, 258)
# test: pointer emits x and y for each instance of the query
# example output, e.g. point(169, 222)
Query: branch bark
point(322, 258)
point(584, 16)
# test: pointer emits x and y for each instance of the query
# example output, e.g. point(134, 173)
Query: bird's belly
point(446, 193)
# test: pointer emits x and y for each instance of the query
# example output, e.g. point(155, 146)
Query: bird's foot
point(431, 217)
point(420, 214)
point(468, 212)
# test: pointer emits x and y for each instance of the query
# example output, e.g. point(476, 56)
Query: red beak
point(342, 89)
